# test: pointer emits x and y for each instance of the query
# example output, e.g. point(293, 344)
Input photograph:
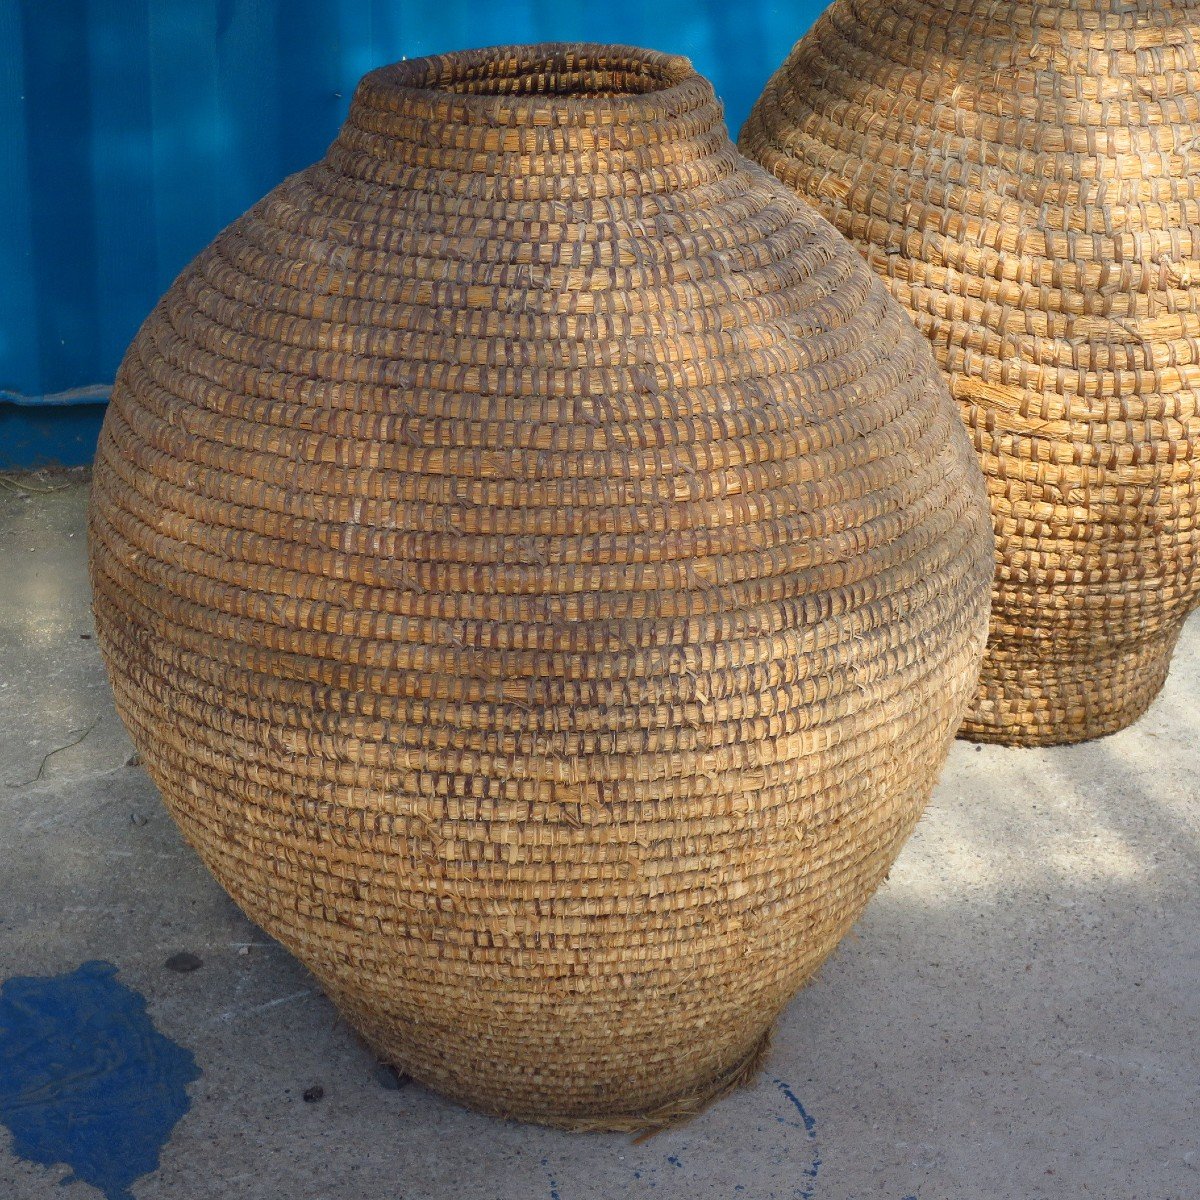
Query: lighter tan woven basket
point(1026, 177)
point(543, 570)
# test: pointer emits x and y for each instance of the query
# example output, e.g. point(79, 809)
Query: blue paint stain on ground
point(808, 1123)
point(553, 1182)
point(781, 1153)
point(86, 1079)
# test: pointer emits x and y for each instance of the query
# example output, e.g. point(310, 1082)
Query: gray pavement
point(1016, 1016)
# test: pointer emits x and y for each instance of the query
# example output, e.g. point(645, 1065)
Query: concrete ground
point(1016, 1016)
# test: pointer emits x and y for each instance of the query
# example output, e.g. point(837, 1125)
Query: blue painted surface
point(132, 131)
point(86, 1079)
point(36, 435)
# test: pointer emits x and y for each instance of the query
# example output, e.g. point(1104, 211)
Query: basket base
point(642, 1124)
point(675, 1112)
point(1028, 699)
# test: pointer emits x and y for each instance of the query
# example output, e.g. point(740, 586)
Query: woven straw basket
point(1026, 177)
point(542, 570)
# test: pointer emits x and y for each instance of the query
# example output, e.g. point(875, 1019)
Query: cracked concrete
point(1015, 1016)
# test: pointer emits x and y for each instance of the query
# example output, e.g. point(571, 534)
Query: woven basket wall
point(1026, 177)
point(542, 570)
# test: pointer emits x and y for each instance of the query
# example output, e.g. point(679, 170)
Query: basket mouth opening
point(553, 71)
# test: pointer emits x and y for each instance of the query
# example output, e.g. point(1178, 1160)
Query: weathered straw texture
point(1026, 177)
point(543, 570)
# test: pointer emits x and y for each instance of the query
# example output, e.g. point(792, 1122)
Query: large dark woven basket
point(543, 570)
point(1026, 177)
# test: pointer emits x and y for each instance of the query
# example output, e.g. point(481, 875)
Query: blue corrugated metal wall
point(131, 131)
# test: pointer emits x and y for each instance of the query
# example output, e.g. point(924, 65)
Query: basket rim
point(407, 81)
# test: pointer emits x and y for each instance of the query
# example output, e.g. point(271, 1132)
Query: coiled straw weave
point(542, 570)
point(1026, 177)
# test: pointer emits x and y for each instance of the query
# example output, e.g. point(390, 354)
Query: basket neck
point(508, 110)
